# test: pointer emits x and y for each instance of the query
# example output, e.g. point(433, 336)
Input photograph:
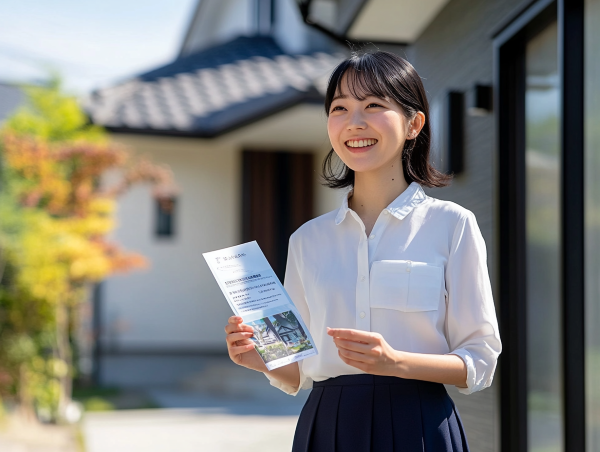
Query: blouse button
point(362, 278)
point(362, 315)
point(385, 212)
point(372, 236)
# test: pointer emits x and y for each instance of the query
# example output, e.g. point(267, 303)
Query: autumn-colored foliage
point(55, 215)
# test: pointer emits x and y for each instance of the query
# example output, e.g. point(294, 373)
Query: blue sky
point(91, 43)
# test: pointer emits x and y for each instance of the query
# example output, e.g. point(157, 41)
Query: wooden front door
point(277, 198)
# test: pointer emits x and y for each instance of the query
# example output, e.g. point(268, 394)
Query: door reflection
point(543, 232)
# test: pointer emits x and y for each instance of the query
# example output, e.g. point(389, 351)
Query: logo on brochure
point(228, 258)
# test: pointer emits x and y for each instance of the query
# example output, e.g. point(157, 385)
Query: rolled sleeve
point(305, 383)
point(471, 324)
point(295, 289)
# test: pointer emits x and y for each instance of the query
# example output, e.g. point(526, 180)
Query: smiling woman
point(393, 285)
point(386, 91)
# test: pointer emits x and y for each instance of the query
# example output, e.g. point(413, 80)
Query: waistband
point(368, 379)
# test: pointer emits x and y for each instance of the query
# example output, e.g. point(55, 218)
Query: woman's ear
point(415, 125)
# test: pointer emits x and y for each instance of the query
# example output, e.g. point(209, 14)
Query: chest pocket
point(406, 285)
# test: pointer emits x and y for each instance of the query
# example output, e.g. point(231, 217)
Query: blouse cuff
point(305, 383)
point(468, 359)
point(288, 389)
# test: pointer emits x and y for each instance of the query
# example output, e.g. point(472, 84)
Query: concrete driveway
point(186, 430)
point(218, 407)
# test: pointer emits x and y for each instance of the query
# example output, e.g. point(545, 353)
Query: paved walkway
point(186, 430)
point(219, 407)
point(19, 436)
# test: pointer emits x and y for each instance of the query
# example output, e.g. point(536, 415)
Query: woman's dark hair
point(385, 75)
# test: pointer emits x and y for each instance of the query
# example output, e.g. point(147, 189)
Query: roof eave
point(310, 97)
point(353, 31)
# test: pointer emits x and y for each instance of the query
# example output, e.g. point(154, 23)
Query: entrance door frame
point(509, 61)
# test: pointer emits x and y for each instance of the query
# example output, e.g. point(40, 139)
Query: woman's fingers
point(240, 346)
point(361, 357)
point(358, 364)
point(351, 335)
point(351, 345)
point(235, 325)
point(236, 338)
point(239, 349)
point(239, 342)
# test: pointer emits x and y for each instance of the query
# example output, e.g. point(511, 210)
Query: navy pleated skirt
point(361, 413)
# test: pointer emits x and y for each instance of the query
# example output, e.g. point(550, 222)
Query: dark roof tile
point(214, 90)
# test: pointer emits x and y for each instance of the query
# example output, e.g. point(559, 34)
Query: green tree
point(55, 215)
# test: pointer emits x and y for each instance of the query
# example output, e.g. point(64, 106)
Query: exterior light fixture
point(455, 132)
point(482, 100)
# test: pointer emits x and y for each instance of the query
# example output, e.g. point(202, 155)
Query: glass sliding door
point(592, 222)
point(549, 161)
point(543, 242)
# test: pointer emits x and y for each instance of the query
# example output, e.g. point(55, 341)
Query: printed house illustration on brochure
point(284, 328)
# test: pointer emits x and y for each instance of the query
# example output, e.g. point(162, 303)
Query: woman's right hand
point(241, 347)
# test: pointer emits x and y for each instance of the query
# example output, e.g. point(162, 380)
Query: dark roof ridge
point(239, 48)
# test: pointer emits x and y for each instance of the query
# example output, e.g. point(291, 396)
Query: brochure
point(255, 294)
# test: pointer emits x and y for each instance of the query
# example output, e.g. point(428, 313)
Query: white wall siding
point(289, 29)
point(176, 304)
point(218, 21)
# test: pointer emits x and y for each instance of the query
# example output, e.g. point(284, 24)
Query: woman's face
point(367, 134)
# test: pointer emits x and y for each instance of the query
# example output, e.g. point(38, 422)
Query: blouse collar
point(399, 207)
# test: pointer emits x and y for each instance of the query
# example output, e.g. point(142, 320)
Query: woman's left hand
point(366, 351)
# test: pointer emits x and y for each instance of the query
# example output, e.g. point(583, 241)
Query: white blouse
point(420, 279)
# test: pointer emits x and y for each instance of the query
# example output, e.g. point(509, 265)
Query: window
point(165, 211)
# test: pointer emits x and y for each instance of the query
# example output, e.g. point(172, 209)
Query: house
point(279, 328)
point(263, 334)
point(289, 330)
point(291, 336)
point(515, 102)
point(238, 116)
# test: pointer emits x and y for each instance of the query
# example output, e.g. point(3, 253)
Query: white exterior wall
point(289, 29)
point(176, 304)
point(219, 21)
